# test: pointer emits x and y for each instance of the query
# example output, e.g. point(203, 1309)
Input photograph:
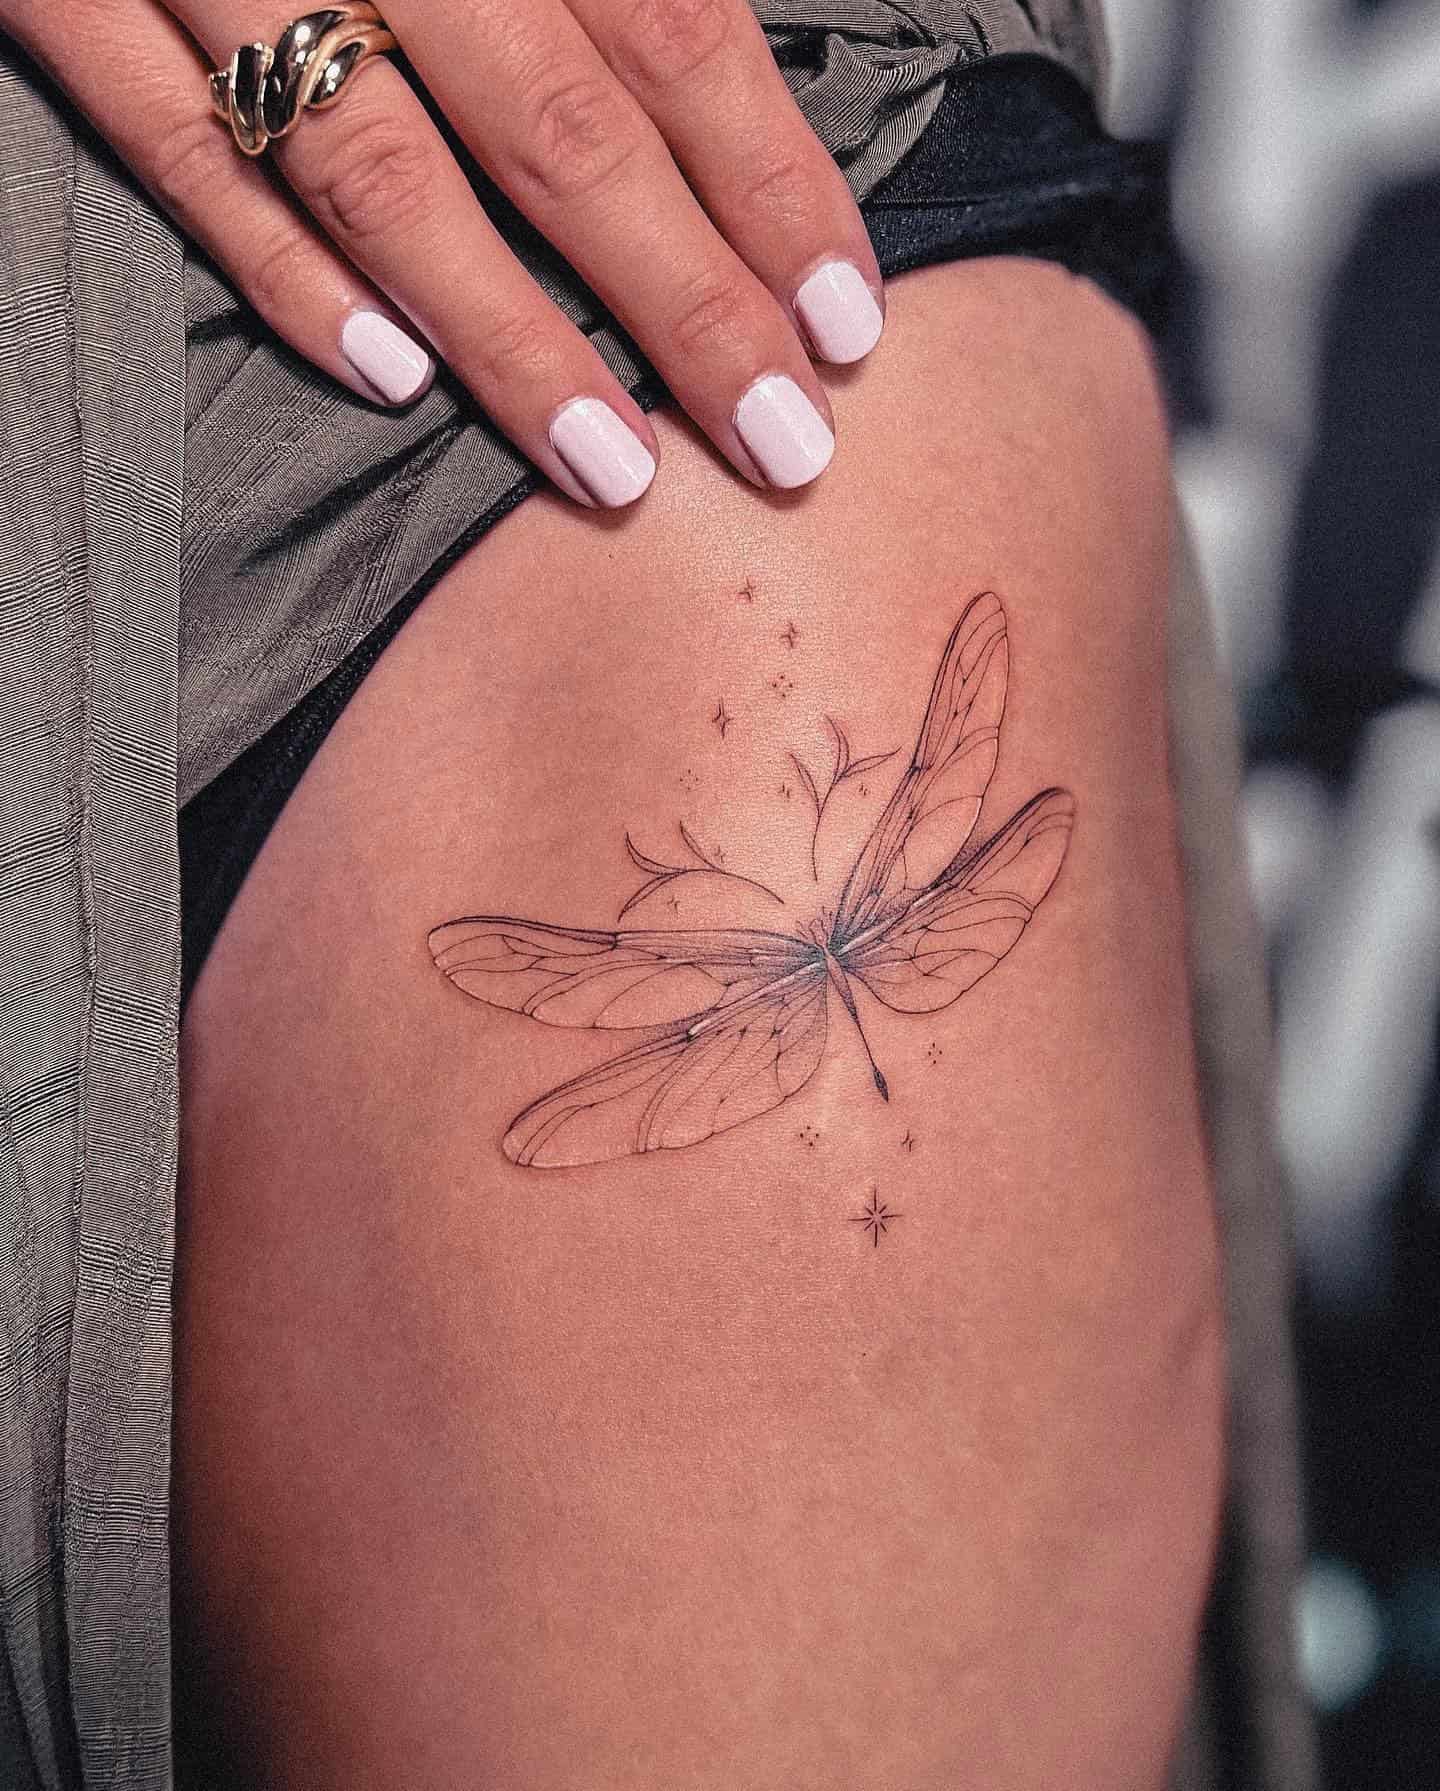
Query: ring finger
point(249, 226)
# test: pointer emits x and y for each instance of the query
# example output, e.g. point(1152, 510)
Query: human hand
point(652, 142)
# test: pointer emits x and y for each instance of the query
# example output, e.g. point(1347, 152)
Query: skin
point(612, 128)
point(665, 1472)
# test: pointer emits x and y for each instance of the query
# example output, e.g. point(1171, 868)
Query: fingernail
point(787, 437)
point(604, 453)
point(384, 355)
point(839, 312)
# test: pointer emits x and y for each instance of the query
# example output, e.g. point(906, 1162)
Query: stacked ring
point(264, 92)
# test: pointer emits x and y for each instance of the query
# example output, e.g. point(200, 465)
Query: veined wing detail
point(580, 976)
point(936, 804)
point(738, 1016)
point(682, 1088)
point(941, 945)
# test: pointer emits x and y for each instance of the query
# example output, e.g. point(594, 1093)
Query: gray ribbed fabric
point(134, 664)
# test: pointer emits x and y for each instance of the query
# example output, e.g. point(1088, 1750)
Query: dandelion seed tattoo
point(737, 1017)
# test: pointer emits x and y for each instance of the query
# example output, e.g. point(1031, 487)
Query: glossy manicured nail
point(839, 312)
point(604, 453)
point(787, 437)
point(384, 355)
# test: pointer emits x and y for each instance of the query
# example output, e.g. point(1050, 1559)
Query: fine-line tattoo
point(841, 772)
point(738, 1016)
point(877, 1217)
point(660, 874)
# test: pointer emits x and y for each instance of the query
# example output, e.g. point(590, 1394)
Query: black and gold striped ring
point(263, 92)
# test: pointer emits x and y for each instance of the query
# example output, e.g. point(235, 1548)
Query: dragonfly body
point(835, 971)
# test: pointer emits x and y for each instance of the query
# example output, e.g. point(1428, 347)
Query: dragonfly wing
point(936, 804)
point(578, 976)
point(947, 938)
point(684, 1087)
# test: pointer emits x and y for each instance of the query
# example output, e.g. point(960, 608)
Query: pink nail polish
point(384, 356)
point(839, 312)
point(611, 462)
point(786, 436)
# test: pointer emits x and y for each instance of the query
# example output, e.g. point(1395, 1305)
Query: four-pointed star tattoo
point(736, 1018)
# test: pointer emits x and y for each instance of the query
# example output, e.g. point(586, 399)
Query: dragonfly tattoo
point(737, 1017)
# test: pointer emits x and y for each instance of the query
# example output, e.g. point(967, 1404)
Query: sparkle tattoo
point(877, 1217)
point(737, 1018)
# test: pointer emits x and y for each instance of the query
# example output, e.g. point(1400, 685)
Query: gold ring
point(263, 92)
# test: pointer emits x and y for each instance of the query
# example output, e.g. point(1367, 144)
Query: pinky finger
point(159, 122)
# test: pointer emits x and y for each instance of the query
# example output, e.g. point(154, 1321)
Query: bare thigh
point(822, 1389)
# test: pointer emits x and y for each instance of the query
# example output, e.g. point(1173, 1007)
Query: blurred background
point(1305, 363)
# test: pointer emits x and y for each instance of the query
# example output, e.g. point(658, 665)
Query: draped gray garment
point(133, 669)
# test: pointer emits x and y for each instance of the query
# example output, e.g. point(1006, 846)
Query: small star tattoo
point(908, 1141)
point(790, 634)
point(876, 1218)
point(722, 717)
point(746, 593)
